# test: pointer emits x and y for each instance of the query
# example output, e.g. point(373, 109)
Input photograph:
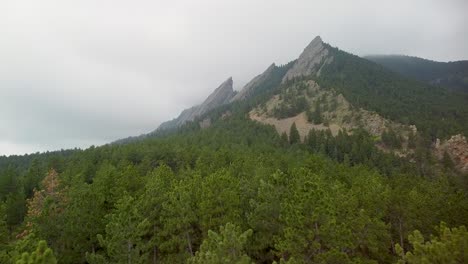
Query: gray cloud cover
point(77, 73)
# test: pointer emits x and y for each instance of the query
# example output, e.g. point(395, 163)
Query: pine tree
point(123, 241)
point(284, 138)
point(447, 161)
point(225, 247)
point(317, 114)
point(156, 192)
point(294, 135)
point(450, 246)
point(42, 255)
point(177, 237)
point(4, 234)
point(312, 140)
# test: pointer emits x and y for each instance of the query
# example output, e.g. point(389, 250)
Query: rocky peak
point(309, 61)
point(222, 95)
point(245, 92)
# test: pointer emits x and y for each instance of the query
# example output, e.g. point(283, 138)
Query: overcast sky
point(78, 73)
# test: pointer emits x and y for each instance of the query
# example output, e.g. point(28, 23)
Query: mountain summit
point(310, 60)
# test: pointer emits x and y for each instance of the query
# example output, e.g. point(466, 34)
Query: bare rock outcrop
point(247, 90)
point(310, 61)
point(222, 95)
point(457, 148)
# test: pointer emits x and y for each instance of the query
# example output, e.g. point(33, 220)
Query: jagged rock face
point(222, 95)
point(246, 91)
point(309, 62)
point(457, 148)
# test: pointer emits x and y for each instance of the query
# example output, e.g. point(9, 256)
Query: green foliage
point(186, 195)
point(320, 224)
point(450, 75)
point(156, 200)
point(436, 112)
point(315, 116)
point(294, 137)
point(4, 235)
point(391, 139)
point(42, 255)
point(447, 161)
point(450, 246)
point(225, 247)
point(122, 242)
point(290, 107)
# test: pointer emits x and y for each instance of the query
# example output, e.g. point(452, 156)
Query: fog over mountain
point(78, 73)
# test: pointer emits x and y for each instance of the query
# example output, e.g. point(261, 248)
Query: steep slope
point(314, 56)
point(451, 75)
point(320, 109)
point(249, 88)
point(329, 89)
point(436, 112)
point(222, 95)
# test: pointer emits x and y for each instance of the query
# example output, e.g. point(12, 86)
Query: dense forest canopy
point(183, 197)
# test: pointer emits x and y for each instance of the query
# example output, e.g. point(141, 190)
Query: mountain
point(247, 90)
point(451, 75)
point(221, 95)
point(366, 85)
point(329, 89)
point(330, 158)
point(311, 59)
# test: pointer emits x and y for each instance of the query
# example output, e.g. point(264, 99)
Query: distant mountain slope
point(222, 95)
point(452, 75)
point(436, 112)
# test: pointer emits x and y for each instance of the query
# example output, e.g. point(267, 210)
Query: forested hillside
point(176, 198)
point(436, 112)
point(224, 188)
point(450, 75)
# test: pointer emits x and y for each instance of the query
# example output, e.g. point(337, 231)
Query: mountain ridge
point(221, 95)
point(452, 75)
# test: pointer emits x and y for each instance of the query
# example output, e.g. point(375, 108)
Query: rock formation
point(222, 95)
point(246, 91)
point(310, 60)
point(457, 148)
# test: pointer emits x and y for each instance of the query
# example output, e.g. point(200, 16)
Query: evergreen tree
point(178, 237)
point(156, 193)
point(4, 234)
point(450, 246)
point(284, 138)
point(316, 117)
point(225, 247)
point(294, 137)
point(42, 255)
point(123, 241)
point(447, 161)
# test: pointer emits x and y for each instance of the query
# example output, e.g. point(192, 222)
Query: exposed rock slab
point(221, 95)
point(457, 148)
point(310, 61)
point(247, 90)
